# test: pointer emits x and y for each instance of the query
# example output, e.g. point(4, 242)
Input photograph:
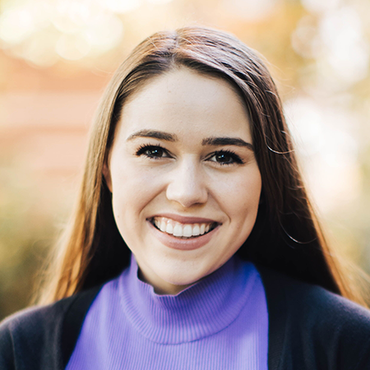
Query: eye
point(224, 157)
point(153, 151)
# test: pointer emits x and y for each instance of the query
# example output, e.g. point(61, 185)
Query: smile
point(180, 230)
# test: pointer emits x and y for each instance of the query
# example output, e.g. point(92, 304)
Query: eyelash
point(234, 157)
point(144, 149)
point(147, 147)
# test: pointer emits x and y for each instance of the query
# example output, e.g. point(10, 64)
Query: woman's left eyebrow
point(227, 141)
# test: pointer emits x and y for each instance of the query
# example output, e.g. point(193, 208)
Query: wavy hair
point(286, 236)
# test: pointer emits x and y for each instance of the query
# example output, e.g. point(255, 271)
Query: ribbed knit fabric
point(220, 322)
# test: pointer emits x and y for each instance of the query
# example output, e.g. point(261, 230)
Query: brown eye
point(153, 151)
point(225, 157)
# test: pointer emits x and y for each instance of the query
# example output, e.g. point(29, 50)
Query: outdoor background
point(56, 57)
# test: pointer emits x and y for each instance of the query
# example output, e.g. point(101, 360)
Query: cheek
point(132, 190)
point(240, 196)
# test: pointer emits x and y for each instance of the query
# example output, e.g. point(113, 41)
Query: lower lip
point(183, 244)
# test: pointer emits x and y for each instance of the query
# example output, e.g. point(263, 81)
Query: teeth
point(169, 228)
point(162, 225)
point(180, 230)
point(177, 230)
point(187, 231)
point(196, 230)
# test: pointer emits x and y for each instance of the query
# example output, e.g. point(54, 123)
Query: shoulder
point(309, 299)
point(27, 333)
point(35, 335)
point(307, 321)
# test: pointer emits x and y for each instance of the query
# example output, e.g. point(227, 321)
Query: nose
point(187, 185)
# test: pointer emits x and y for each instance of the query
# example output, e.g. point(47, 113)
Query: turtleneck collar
point(201, 310)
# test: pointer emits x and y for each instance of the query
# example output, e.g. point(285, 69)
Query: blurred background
point(56, 57)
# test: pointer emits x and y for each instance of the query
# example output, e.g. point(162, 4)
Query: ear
point(107, 176)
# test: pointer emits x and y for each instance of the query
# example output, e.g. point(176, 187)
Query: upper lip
point(185, 219)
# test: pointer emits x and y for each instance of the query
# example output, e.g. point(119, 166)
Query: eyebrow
point(153, 134)
point(227, 141)
point(214, 141)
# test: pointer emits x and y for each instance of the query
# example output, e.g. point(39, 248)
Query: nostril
point(187, 185)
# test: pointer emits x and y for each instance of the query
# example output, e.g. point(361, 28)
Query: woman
point(191, 168)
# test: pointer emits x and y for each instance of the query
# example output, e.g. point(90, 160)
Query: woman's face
point(184, 180)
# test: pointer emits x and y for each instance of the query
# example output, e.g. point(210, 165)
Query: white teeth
point(169, 228)
point(179, 230)
point(187, 231)
point(196, 230)
point(163, 224)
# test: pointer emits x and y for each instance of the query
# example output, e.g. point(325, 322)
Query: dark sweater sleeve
point(334, 333)
point(311, 328)
point(31, 339)
point(44, 337)
point(6, 350)
point(344, 329)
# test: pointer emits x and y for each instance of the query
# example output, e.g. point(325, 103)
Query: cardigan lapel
point(278, 312)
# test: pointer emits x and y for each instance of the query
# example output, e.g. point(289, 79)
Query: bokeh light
point(251, 10)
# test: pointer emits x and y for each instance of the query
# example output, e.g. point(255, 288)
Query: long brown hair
point(287, 235)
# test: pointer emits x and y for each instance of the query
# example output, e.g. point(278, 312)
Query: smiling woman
point(170, 180)
point(193, 244)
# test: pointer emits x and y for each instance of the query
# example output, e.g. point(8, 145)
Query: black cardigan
point(309, 328)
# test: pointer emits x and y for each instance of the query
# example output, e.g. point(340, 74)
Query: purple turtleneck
point(220, 322)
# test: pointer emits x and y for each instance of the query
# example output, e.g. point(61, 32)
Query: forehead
point(183, 101)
